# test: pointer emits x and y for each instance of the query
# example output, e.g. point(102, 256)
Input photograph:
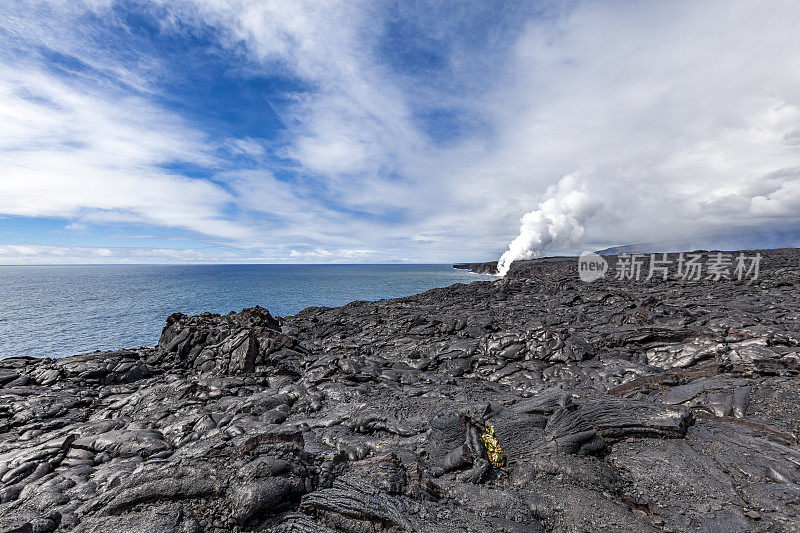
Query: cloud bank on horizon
point(271, 131)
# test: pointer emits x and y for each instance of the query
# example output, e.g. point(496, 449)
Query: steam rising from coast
point(558, 220)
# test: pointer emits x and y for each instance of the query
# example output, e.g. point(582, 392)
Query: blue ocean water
point(55, 311)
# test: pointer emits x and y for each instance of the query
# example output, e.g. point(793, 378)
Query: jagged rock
point(356, 507)
point(227, 344)
point(620, 406)
point(592, 425)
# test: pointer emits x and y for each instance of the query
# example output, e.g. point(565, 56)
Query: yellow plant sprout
point(493, 449)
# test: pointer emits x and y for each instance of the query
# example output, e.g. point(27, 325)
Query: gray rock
point(619, 406)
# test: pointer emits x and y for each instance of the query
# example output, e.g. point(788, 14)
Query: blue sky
point(239, 131)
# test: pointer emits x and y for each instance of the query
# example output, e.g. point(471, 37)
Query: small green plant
point(493, 449)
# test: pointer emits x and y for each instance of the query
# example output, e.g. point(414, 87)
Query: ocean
point(55, 311)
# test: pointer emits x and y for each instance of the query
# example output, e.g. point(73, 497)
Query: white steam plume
point(557, 221)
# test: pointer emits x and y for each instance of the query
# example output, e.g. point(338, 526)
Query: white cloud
point(22, 254)
point(670, 116)
point(12, 254)
point(246, 146)
point(329, 256)
point(72, 151)
point(682, 119)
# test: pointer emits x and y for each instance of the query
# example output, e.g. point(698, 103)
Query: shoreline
point(112, 307)
point(616, 404)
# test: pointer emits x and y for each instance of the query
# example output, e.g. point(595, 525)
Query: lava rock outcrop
point(619, 406)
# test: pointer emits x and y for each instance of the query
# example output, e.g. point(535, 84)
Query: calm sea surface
point(54, 311)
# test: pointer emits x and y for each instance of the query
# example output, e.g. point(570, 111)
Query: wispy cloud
point(22, 254)
point(75, 151)
point(403, 130)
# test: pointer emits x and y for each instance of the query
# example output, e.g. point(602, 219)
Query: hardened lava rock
point(617, 406)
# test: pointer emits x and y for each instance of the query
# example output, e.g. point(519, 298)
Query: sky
point(236, 131)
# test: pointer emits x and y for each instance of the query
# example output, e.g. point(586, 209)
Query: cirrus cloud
point(421, 131)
